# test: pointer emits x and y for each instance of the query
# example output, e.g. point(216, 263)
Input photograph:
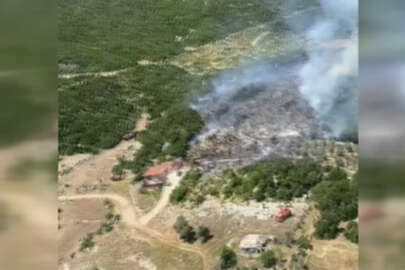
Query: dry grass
point(338, 254)
point(145, 200)
point(249, 44)
point(77, 219)
point(122, 249)
point(121, 188)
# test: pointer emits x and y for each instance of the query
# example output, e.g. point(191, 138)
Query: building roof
point(157, 170)
point(253, 241)
point(154, 182)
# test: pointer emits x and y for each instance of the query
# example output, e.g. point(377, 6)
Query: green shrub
point(228, 258)
point(181, 223)
point(187, 184)
point(351, 232)
point(268, 259)
point(117, 170)
point(304, 243)
point(339, 198)
point(188, 234)
point(204, 233)
point(87, 242)
point(337, 201)
point(185, 231)
point(179, 194)
point(327, 227)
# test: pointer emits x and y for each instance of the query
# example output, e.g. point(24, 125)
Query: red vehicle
point(283, 214)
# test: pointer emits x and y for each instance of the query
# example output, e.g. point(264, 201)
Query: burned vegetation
point(261, 120)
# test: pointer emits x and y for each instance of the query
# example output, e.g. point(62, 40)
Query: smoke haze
point(325, 78)
point(324, 73)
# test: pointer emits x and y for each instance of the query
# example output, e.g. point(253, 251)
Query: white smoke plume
point(324, 77)
point(325, 74)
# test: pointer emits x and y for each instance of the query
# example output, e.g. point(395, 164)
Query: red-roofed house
point(156, 176)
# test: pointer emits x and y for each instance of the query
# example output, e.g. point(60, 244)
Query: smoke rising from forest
point(328, 77)
point(325, 76)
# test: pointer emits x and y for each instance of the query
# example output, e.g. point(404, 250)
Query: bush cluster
point(268, 259)
point(337, 200)
point(112, 219)
point(352, 232)
point(281, 180)
point(188, 183)
point(187, 232)
point(93, 115)
point(87, 242)
point(228, 258)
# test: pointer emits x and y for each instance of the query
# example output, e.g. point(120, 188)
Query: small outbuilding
point(253, 243)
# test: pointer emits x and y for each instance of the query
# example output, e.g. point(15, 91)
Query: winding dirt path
point(95, 74)
point(173, 179)
point(125, 207)
point(129, 218)
point(177, 245)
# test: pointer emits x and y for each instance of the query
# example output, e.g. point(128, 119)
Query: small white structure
point(255, 243)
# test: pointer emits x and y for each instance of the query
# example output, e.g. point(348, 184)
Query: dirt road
point(95, 74)
point(127, 212)
point(126, 209)
point(173, 179)
point(97, 169)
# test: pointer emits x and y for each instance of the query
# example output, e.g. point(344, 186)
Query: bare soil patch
point(123, 250)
